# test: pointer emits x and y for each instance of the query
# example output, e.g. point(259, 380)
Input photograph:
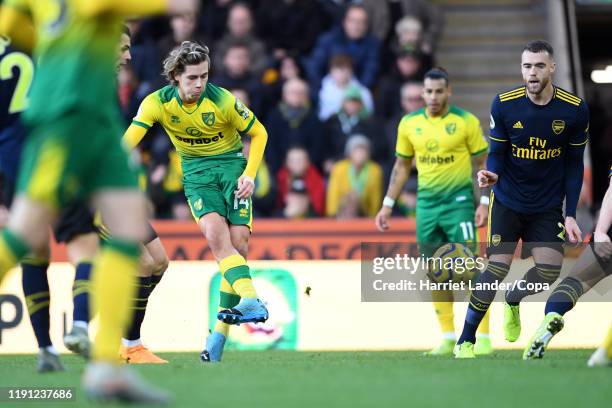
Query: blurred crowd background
point(329, 79)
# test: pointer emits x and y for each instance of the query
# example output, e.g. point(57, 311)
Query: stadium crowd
point(329, 79)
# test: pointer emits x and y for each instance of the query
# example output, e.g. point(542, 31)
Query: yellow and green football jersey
point(443, 148)
point(76, 48)
point(211, 127)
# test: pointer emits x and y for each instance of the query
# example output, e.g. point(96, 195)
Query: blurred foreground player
point(593, 265)
point(74, 227)
point(444, 140)
point(78, 39)
point(205, 124)
point(538, 133)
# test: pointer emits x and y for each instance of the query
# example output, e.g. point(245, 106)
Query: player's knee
point(241, 243)
point(160, 265)
point(83, 247)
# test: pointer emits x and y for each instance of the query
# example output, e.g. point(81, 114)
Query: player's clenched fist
point(486, 178)
point(382, 218)
point(246, 187)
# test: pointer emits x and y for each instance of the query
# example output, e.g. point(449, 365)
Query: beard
point(538, 87)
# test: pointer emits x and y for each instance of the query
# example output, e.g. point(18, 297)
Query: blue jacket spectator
point(293, 122)
point(351, 38)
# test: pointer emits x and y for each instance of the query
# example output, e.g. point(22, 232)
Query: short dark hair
point(126, 31)
point(341, 60)
point(437, 73)
point(539, 46)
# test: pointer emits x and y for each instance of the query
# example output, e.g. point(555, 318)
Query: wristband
point(484, 200)
point(388, 202)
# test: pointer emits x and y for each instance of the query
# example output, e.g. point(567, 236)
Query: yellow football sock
point(227, 299)
point(113, 289)
point(483, 328)
point(12, 249)
point(236, 271)
point(607, 344)
point(443, 305)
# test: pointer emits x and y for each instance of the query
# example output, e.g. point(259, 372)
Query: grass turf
point(360, 379)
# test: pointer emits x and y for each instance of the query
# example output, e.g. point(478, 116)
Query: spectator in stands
point(301, 189)
point(273, 79)
point(145, 62)
point(240, 28)
point(431, 18)
point(411, 100)
point(351, 38)
point(213, 18)
point(408, 68)
point(293, 122)
point(352, 118)
point(409, 37)
point(264, 196)
point(379, 15)
point(335, 85)
point(356, 185)
point(237, 73)
point(182, 28)
point(289, 26)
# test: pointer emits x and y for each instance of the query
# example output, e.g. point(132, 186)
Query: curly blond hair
point(188, 53)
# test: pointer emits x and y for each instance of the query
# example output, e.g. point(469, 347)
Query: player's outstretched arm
point(133, 135)
point(259, 138)
point(399, 177)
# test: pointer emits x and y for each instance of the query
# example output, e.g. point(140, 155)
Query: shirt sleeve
point(497, 129)
point(148, 112)
point(239, 115)
point(475, 139)
point(581, 135)
point(403, 146)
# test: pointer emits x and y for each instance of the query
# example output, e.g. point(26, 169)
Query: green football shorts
point(212, 190)
point(448, 222)
point(74, 156)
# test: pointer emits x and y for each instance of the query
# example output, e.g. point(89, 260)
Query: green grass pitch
point(351, 379)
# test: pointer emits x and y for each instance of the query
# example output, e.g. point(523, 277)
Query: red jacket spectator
point(313, 182)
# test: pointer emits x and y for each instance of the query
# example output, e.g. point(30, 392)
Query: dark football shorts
point(506, 226)
point(74, 220)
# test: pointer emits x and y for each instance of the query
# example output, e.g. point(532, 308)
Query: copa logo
point(192, 131)
point(16, 318)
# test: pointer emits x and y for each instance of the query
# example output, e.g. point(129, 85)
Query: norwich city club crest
point(558, 126)
point(208, 118)
point(198, 204)
point(450, 128)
